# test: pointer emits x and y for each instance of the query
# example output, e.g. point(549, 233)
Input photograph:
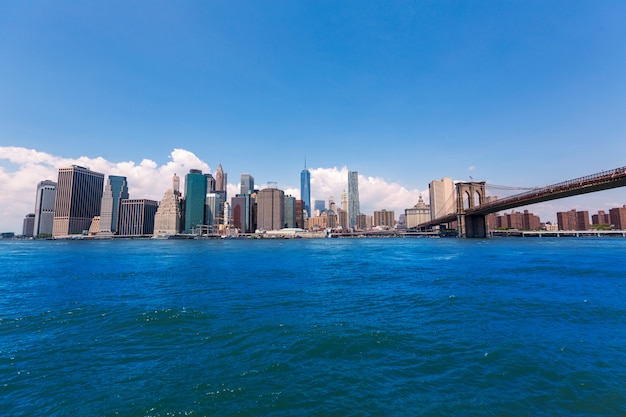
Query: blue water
point(322, 327)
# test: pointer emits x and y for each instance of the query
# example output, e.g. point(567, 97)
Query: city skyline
point(515, 94)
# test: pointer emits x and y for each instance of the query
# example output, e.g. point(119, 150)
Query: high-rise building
point(28, 226)
point(418, 214)
point(290, 211)
point(353, 199)
point(247, 184)
point(195, 196)
point(211, 185)
point(220, 179)
point(78, 200)
point(442, 201)
point(300, 214)
point(600, 218)
point(44, 208)
point(618, 217)
point(167, 220)
point(271, 209)
point(319, 207)
point(136, 217)
point(115, 190)
point(573, 220)
point(305, 189)
point(214, 210)
point(384, 218)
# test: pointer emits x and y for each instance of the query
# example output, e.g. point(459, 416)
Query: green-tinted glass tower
point(195, 195)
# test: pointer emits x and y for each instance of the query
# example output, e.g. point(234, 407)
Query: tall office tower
point(28, 226)
point(238, 209)
point(115, 190)
point(167, 220)
point(290, 212)
point(220, 179)
point(44, 208)
point(210, 183)
point(300, 214)
point(271, 209)
point(353, 199)
point(442, 201)
point(320, 206)
point(195, 195)
point(78, 200)
point(136, 217)
point(247, 184)
point(214, 210)
point(305, 189)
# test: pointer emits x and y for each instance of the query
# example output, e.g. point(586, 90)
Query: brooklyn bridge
point(472, 206)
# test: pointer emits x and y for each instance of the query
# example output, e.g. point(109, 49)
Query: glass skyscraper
point(247, 184)
point(353, 199)
point(305, 190)
point(195, 197)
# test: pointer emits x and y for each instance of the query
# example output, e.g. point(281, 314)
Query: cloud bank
point(22, 169)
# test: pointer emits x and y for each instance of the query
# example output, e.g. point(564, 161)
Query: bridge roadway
point(604, 180)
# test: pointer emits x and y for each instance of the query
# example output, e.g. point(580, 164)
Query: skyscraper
point(247, 184)
point(271, 209)
point(29, 225)
point(115, 190)
point(195, 195)
point(44, 207)
point(305, 189)
point(442, 201)
point(167, 220)
point(353, 199)
point(290, 211)
point(78, 200)
point(220, 179)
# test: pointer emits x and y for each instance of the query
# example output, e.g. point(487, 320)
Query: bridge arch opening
point(466, 200)
point(477, 199)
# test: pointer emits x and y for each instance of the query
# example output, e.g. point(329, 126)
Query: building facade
point(418, 214)
point(600, 218)
point(168, 218)
point(195, 196)
point(78, 200)
point(44, 208)
point(28, 225)
point(354, 208)
point(618, 217)
point(573, 220)
point(270, 209)
point(384, 218)
point(305, 190)
point(115, 190)
point(221, 180)
point(290, 212)
point(247, 184)
point(136, 217)
point(442, 200)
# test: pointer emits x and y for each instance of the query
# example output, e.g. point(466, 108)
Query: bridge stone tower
point(470, 195)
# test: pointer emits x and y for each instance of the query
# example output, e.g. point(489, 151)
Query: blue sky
point(522, 93)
